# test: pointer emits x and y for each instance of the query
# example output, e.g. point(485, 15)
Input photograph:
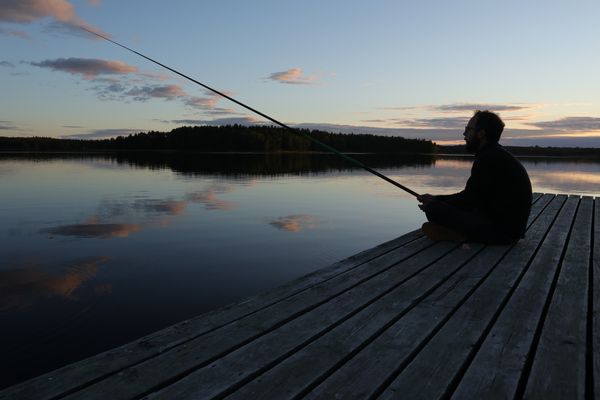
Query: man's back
point(500, 188)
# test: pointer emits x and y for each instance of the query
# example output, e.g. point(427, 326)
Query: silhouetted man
point(495, 204)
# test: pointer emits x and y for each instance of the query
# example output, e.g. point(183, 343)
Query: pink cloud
point(293, 76)
point(202, 102)
point(27, 11)
point(88, 67)
point(168, 92)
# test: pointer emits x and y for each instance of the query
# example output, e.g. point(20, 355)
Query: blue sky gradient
point(416, 69)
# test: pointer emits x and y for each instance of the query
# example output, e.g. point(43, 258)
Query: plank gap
point(538, 332)
point(589, 355)
point(396, 373)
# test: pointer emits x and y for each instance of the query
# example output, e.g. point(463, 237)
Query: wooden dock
point(409, 319)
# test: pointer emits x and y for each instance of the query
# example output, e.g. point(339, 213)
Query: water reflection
point(239, 164)
point(156, 206)
point(193, 232)
point(295, 223)
point(21, 287)
point(210, 197)
point(94, 230)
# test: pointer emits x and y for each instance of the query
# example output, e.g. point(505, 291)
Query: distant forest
point(532, 151)
point(262, 139)
point(230, 138)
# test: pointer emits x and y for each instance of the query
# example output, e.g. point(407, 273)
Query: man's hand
point(426, 200)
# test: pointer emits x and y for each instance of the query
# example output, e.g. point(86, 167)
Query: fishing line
point(296, 131)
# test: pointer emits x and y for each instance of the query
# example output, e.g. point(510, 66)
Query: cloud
point(445, 123)
point(94, 230)
point(145, 93)
point(118, 81)
point(89, 68)
point(221, 121)
point(293, 76)
point(62, 11)
point(73, 126)
point(103, 133)
point(465, 107)
point(73, 29)
point(7, 125)
point(21, 287)
point(295, 223)
point(15, 32)
point(25, 11)
point(202, 102)
point(570, 124)
point(460, 107)
point(108, 88)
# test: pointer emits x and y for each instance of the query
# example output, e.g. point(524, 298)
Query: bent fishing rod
point(281, 124)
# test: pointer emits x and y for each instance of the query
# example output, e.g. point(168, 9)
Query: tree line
point(229, 138)
point(532, 151)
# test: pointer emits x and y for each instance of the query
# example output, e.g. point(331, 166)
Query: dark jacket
point(498, 188)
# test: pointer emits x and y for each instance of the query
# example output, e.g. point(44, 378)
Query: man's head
point(484, 127)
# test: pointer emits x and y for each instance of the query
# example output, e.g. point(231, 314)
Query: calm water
point(100, 250)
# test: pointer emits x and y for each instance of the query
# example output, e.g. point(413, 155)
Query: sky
point(416, 69)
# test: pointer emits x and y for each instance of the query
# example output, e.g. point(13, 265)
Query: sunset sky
point(408, 68)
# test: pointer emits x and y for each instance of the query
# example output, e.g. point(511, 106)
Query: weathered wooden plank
point(563, 337)
point(246, 363)
point(362, 376)
point(595, 340)
point(293, 376)
point(442, 359)
point(498, 365)
point(80, 374)
point(203, 350)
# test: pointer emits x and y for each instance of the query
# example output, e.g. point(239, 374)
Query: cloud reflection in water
point(21, 287)
point(209, 197)
point(94, 230)
point(169, 207)
point(295, 223)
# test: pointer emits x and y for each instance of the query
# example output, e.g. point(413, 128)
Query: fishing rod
point(296, 131)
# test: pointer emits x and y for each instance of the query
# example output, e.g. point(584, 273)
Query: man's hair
point(491, 123)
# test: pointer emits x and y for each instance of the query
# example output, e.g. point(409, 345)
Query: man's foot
point(441, 233)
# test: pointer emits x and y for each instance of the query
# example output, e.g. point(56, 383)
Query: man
point(495, 204)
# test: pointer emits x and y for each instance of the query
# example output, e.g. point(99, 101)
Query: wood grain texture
point(559, 364)
point(437, 365)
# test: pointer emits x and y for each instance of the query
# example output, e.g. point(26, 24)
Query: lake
point(100, 249)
